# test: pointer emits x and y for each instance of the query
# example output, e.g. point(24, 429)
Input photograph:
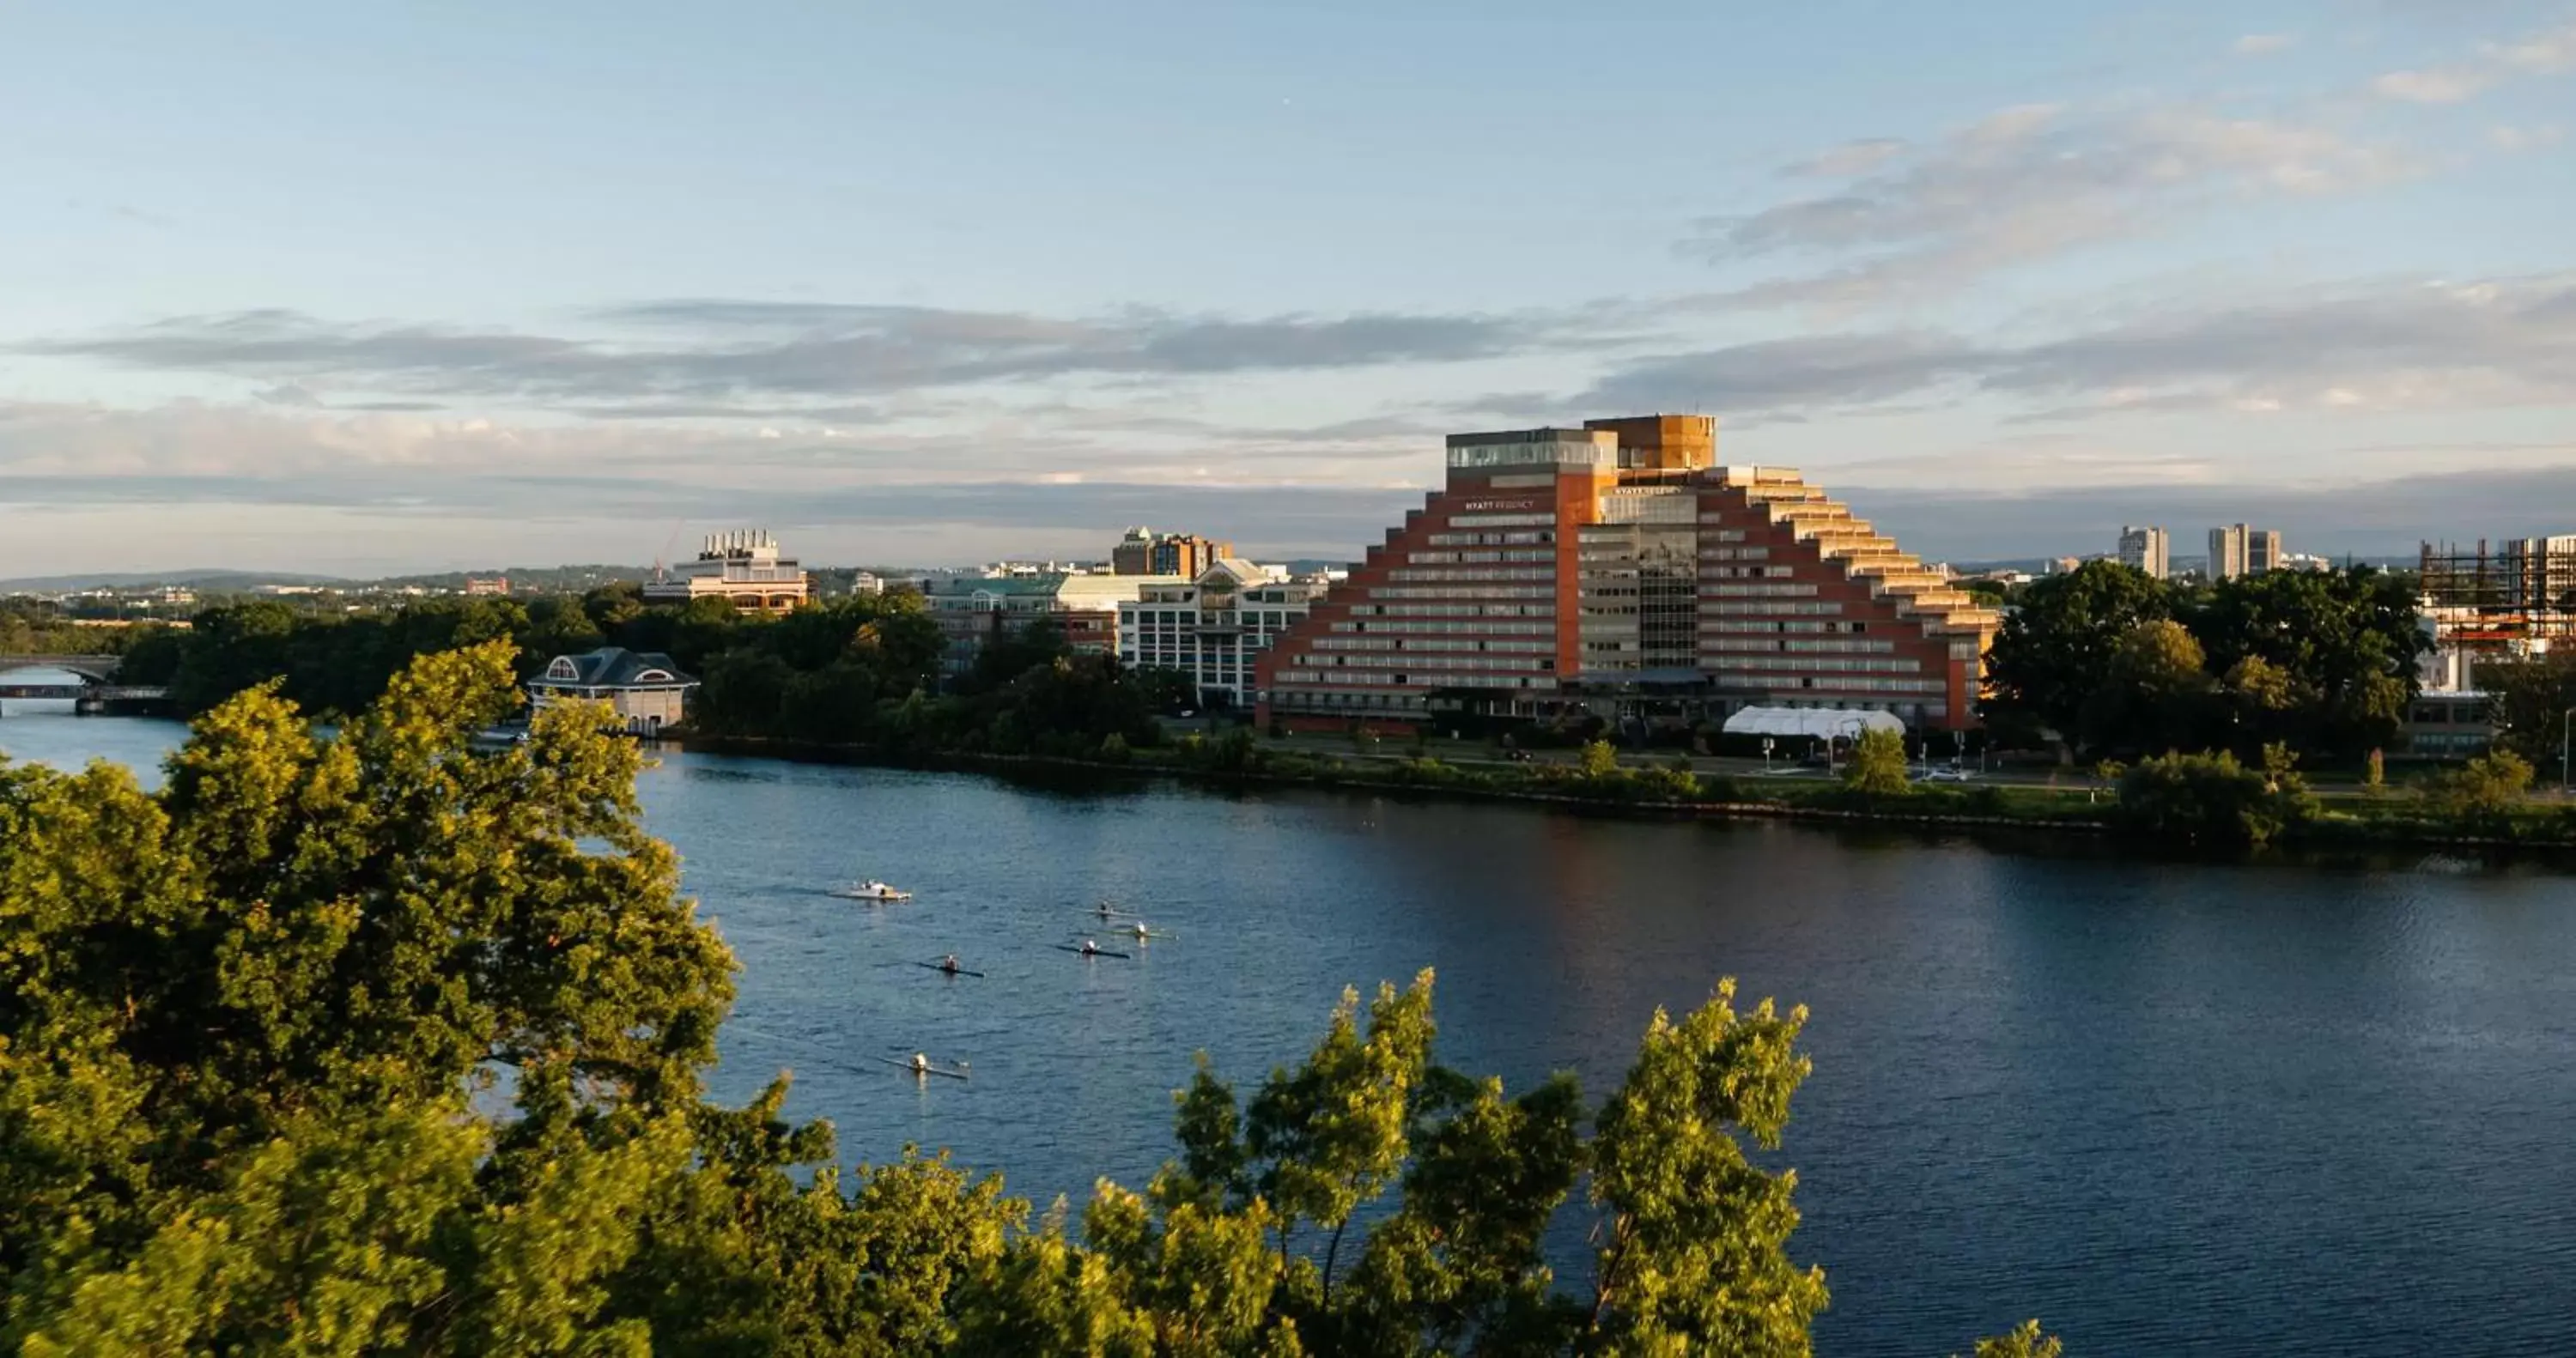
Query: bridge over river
point(92, 689)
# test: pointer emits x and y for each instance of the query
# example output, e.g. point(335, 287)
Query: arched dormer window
point(563, 668)
point(654, 677)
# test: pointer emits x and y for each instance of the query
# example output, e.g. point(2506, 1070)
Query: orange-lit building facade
point(1562, 569)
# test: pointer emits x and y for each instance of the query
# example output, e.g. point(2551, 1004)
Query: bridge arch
point(95, 669)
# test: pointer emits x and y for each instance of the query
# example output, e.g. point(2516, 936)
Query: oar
point(922, 1070)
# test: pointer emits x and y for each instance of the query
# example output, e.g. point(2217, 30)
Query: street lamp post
point(2564, 778)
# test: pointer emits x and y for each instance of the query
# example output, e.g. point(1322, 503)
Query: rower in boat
point(920, 1064)
point(948, 964)
point(1090, 949)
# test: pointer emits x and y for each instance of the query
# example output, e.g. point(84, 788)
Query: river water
point(2169, 1107)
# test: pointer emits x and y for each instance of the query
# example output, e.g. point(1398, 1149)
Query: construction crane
point(667, 544)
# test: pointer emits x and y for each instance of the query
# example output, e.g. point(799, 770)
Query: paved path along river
point(2169, 1107)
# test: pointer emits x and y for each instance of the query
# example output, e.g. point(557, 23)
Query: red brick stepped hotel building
point(1564, 569)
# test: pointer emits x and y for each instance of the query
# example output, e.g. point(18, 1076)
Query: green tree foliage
point(1598, 760)
point(2025, 1341)
point(2483, 788)
point(1016, 651)
point(2211, 799)
point(1694, 1241)
point(2529, 701)
point(2154, 694)
point(36, 627)
point(371, 1044)
point(2120, 665)
point(2337, 652)
point(2056, 647)
point(1877, 764)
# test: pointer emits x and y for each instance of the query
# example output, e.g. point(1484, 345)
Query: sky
point(362, 289)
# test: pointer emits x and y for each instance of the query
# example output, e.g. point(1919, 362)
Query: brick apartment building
point(1564, 569)
point(1145, 552)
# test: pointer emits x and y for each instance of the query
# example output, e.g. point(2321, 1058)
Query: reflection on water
point(2168, 1106)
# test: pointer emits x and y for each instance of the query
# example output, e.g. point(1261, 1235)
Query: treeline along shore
point(2260, 711)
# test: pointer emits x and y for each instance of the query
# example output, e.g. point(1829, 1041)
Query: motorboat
point(872, 890)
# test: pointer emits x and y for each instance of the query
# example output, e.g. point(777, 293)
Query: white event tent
point(1818, 723)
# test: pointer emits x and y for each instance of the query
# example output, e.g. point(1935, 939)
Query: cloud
point(2263, 44)
point(71, 457)
point(289, 394)
point(2439, 85)
point(2544, 53)
point(1825, 371)
point(2482, 344)
point(2505, 137)
point(1850, 158)
point(354, 455)
point(2551, 52)
point(765, 360)
point(2020, 185)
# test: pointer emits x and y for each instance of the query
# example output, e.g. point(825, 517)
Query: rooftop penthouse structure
point(743, 568)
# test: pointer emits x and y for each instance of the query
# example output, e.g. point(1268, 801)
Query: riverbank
point(2393, 820)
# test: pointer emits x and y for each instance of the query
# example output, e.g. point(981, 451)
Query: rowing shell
point(910, 1068)
point(1096, 952)
point(952, 971)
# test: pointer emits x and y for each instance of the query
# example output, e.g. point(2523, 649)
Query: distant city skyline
point(357, 292)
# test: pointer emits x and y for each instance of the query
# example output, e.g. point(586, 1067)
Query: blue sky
point(367, 288)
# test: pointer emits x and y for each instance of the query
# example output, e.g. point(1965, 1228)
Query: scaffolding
point(2518, 598)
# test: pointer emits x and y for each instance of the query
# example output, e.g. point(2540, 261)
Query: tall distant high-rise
point(1616, 568)
point(2236, 550)
point(2227, 552)
point(2144, 549)
point(2263, 550)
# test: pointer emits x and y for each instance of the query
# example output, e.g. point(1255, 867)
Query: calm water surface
point(2168, 1107)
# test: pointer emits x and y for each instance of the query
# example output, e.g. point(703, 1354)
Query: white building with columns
point(1213, 627)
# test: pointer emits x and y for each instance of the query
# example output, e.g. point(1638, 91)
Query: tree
point(2055, 649)
point(2025, 1341)
point(1171, 692)
point(229, 650)
point(1877, 764)
point(2529, 700)
point(2485, 788)
point(1017, 650)
point(2154, 694)
point(1694, 1253)
point(272, 986)
point(1598, 760)
point(2343, 643)
point(2210, 799)
point(556, 626)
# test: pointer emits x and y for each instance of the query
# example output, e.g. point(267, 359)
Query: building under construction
point(2518, 598)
